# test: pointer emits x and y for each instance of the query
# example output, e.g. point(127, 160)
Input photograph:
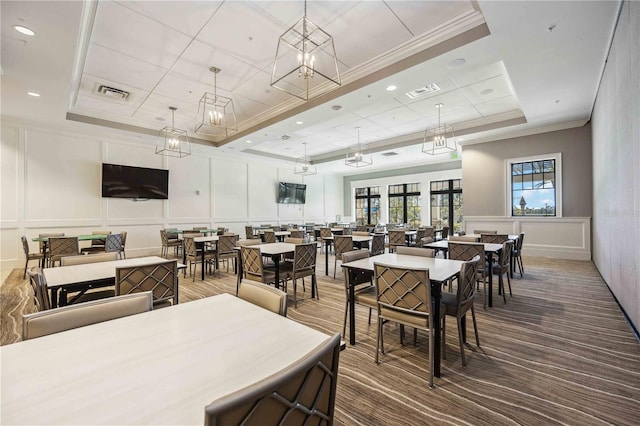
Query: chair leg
point(314, 285)
point(415, 337)
point(475, 326)
point(295, 292)
point(509, 282)
point(501, 287)
point(431, 363)
point(24, 274)
point(370, 316)
point(335, 265)
point(459, 320)
point(520, 266)
point(378, 337)
point(443, 335)
point(344, 323)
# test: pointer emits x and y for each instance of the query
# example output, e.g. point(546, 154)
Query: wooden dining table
point(159, 367)
point(440, 271)
point(93, 275)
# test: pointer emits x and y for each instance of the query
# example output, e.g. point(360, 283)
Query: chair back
point(269, 236)
point(124, 238)
point(100, 242)
point(445, 232)
point(297, 234)
point(493, 238)
point(226, 244)
point(361, 228)
point(55, 234)
point(221, 230)
point(505, 256)
point(163, 237)
point(356, 276)
point(189, 246)
point(90, 258)
point(248, 231)
point(416, 251)
point(113, 243)
point(403, 291)
point(249, 242)
point(25, 246)
point(420, 234)
point(263, 295)
point(360, 233)
point(397, 237)
point(161, 279)
point(519, 243)
point(484, 231)
point(252, 263)
point(325, 232)
point(63, 246)
point(466, 288)
point(465, 251)
point(429, 232)
point(304, 393)
point(294, 240)
point(377, 244)
point(463, 238)
point(40, 290)
point(82, 314)
point(342, 244)
point(304, 257)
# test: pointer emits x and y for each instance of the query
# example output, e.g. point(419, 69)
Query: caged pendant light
point(358, 155)
point(171, 141)
point(216, 114)
point(305, 65)
point(440, 139)
point(303, 165)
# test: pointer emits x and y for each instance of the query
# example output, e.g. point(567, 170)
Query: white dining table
point(97, 274)
point(159, 367)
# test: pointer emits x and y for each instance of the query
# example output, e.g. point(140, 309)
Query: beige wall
point(484, 171)
point(616, 165)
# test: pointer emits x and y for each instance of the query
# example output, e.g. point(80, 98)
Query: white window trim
point(558, 183)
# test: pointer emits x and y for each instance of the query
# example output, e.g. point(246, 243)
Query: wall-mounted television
point(134, 182)
point(292, 193)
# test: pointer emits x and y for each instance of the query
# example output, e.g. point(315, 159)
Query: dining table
point(159, 367)
point(357, 241)
point(91, 275)
point(83, 237)
point(440, 271)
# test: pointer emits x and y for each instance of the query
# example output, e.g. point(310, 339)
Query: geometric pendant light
point(305, 65)
point(358, 155)
point(171, 141)
point(303, 165)
point(439, 139)
point(216, 114)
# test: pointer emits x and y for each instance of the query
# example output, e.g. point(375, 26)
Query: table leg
point(202, 251)
point(437, 334)
point(463, 325)
point(276, 261)
point(239, 266)
point(490, 273)
point(352, 311)
point(54, 298)
point(326, 257)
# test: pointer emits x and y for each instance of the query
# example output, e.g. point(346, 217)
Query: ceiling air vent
point(111, 93)
point(389, 154)
point(429, 88)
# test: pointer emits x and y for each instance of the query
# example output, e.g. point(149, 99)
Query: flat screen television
point(134, 182)
point(292, 193)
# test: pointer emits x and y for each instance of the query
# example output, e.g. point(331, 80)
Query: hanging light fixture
point(358, 155)
point(171, 141)
point(216, 114)
point(303, 165)
point(440, 139)
point(305, 65)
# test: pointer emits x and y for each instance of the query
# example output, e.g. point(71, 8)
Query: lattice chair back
point(113, 243)
point(429, 232)
point(493, 238)
point(226, 244)
point(304, 257)
point(466, 288)
point(484, 231)
point(161, 279)
point(403, 290)
point(63, 246)
point(25, 245)
point(325, 232)
point(163, 237)
point(41, 243)
point(377, 244)
point(361, 228)
point(420, 234)
point(269, 236)
point(343, 244)
point(248, 231)
point(40, 290)
point(465, 251)
point(252, 263)
point(304, 393)
point(505, 255)
point(397, 237)
point(190, 247)
point(297, 234)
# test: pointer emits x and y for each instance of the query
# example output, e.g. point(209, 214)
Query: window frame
point(450, 191)
point(403, 196)
point(557, 157)
point(368, 197)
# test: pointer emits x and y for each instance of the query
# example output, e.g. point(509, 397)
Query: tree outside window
point(404, 204)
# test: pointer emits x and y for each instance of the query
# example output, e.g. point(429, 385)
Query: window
point(534, 186)
point(446, 204)
point(404, 204)
point(368, 205)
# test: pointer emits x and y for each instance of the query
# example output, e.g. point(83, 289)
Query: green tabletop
point(80, 237)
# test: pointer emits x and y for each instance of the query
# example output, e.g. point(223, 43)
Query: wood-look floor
point(559, 352)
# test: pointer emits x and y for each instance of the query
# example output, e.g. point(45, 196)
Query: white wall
point(50, 182)
point(616, 165)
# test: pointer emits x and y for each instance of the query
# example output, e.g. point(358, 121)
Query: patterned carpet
point(559, 352)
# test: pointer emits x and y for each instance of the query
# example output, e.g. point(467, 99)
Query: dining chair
point(291, 240)
point(46, 246)
point(226, 252)
point(503, 267)
point(88, 258)
point(367, 295)
point(251, 242)
point(167, 242)
point(62, 246)
point(342, 244)
point(113, 244)
point(420, 234)
point(303, 393)
point(363, 244)
point(326, 233)
point(297, 234)
point(415, 251)
point(82, 314)
point(466, 251)
point(484, 231)
point(248, 232)
point(457, 305)
point(263, 295)
point(404, 297)
point(377, 244)
point(396, 238)
point(361, 228)
point(304, 265)
point(269, 236)
point(493, 238)
point(463, 238)
point(97, 246)
point(29, 256)
point(161, 279)
point(517, 253)
point(193, 255)
point(40, 291)
point(124, 242)
point(253, 268)
point(444, 234)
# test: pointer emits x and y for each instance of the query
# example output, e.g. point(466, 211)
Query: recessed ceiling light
point(23, 30)
point(160, 118)
point(486, 91)
point(249, 141)
point(457, 62)
point(299, 122)
point(34, 94)
point(336, 107)
point(391, 88)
